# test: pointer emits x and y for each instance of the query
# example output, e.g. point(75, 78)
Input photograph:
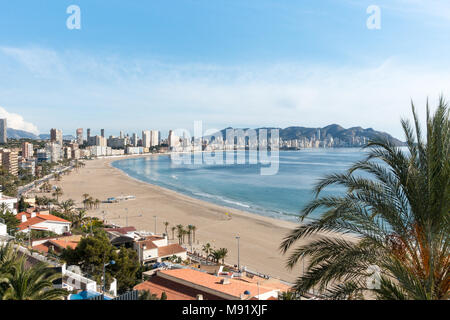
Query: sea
point(241, 185)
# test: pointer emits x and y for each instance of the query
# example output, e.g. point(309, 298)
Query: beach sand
point(260, 236)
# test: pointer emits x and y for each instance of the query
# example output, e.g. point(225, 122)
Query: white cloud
point(16, 121)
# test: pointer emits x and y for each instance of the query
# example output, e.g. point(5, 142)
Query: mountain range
point(347, 137)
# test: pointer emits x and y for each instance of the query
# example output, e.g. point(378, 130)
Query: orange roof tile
point(148, 243)
point(234, 288)
point(170, 249)
point(37, 219)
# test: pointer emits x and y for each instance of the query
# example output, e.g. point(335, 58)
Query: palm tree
point(67, 207)
point(19, 283)
point(223, 252)
point(207, 249)
point(3, 207)
point(400, 212)
point(219, 254)
point(173, 232)
point(8, 257)
point(180, 232)
point(85, 196)
point(33, 283)
point(166, 224)
point(79, 219)
point(57, 193)
point(194, 228)
point(97, 203)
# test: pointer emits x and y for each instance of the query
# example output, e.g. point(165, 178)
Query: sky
point(136, 65)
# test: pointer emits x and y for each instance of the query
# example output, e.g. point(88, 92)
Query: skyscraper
point(10, 161)
point(27, 150)
point(146, 140)
point(56, 136)
point(88, 132)
point(154, 138)
point(80, 136)
point(3, 134)
point(102, 132)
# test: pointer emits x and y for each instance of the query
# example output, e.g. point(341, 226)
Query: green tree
point(90, 255)
point(399, 209)
point(94, 251)
point(126, 268)
point(22, 205)
point(11, 222)
point(18, 282)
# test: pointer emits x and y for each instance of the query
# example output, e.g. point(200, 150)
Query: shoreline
point(260, 236)
point(255, 210)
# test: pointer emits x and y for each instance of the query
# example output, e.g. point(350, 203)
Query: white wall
point(56, 227)
point(11, 203)
point(3, 229)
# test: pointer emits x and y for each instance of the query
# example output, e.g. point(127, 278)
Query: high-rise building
point(80, 136)
point(146, 139)
point(174, 140)
point(121, 135)
point(134, 140)
point(27, 150)
point(154, 138)
point(54, 149)
point(102, 132)
point(3, 134)
point(97, 141)
point(88, 133)
point(10, 161)
point(56, 136)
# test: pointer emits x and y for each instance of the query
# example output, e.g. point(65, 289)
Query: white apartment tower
point(146, 139)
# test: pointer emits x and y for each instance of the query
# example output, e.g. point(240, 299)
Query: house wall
point(3, 229)
point(149, 254)
point(11, 203)
point(56, 227)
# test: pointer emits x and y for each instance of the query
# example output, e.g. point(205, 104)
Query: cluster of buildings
point(318, 141)
point(99, 145)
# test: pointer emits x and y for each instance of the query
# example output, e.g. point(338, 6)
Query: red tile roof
point(174, 291)
point(169, 250)
point(235, 287)
point(37, 219)
point(148, 243)
point(123, 230)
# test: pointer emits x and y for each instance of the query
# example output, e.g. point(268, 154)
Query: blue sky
point(138, 65)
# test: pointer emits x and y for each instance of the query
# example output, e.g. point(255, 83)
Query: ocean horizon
point(240, 186)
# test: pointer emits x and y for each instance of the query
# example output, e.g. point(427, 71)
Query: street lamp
point(239, 265)
point(155, 224)
point(104, 277)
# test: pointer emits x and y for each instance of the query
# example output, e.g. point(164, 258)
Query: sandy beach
point(259, 236)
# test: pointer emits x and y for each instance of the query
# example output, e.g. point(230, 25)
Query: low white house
point(10, 202)
point(3, 231)
point(156, 249)
point(42, 221)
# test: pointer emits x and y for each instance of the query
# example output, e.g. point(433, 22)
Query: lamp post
point(104, 277)
point(239, 265)
point(155, 224)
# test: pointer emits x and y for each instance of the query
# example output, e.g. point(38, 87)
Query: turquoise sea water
point(241, 186)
